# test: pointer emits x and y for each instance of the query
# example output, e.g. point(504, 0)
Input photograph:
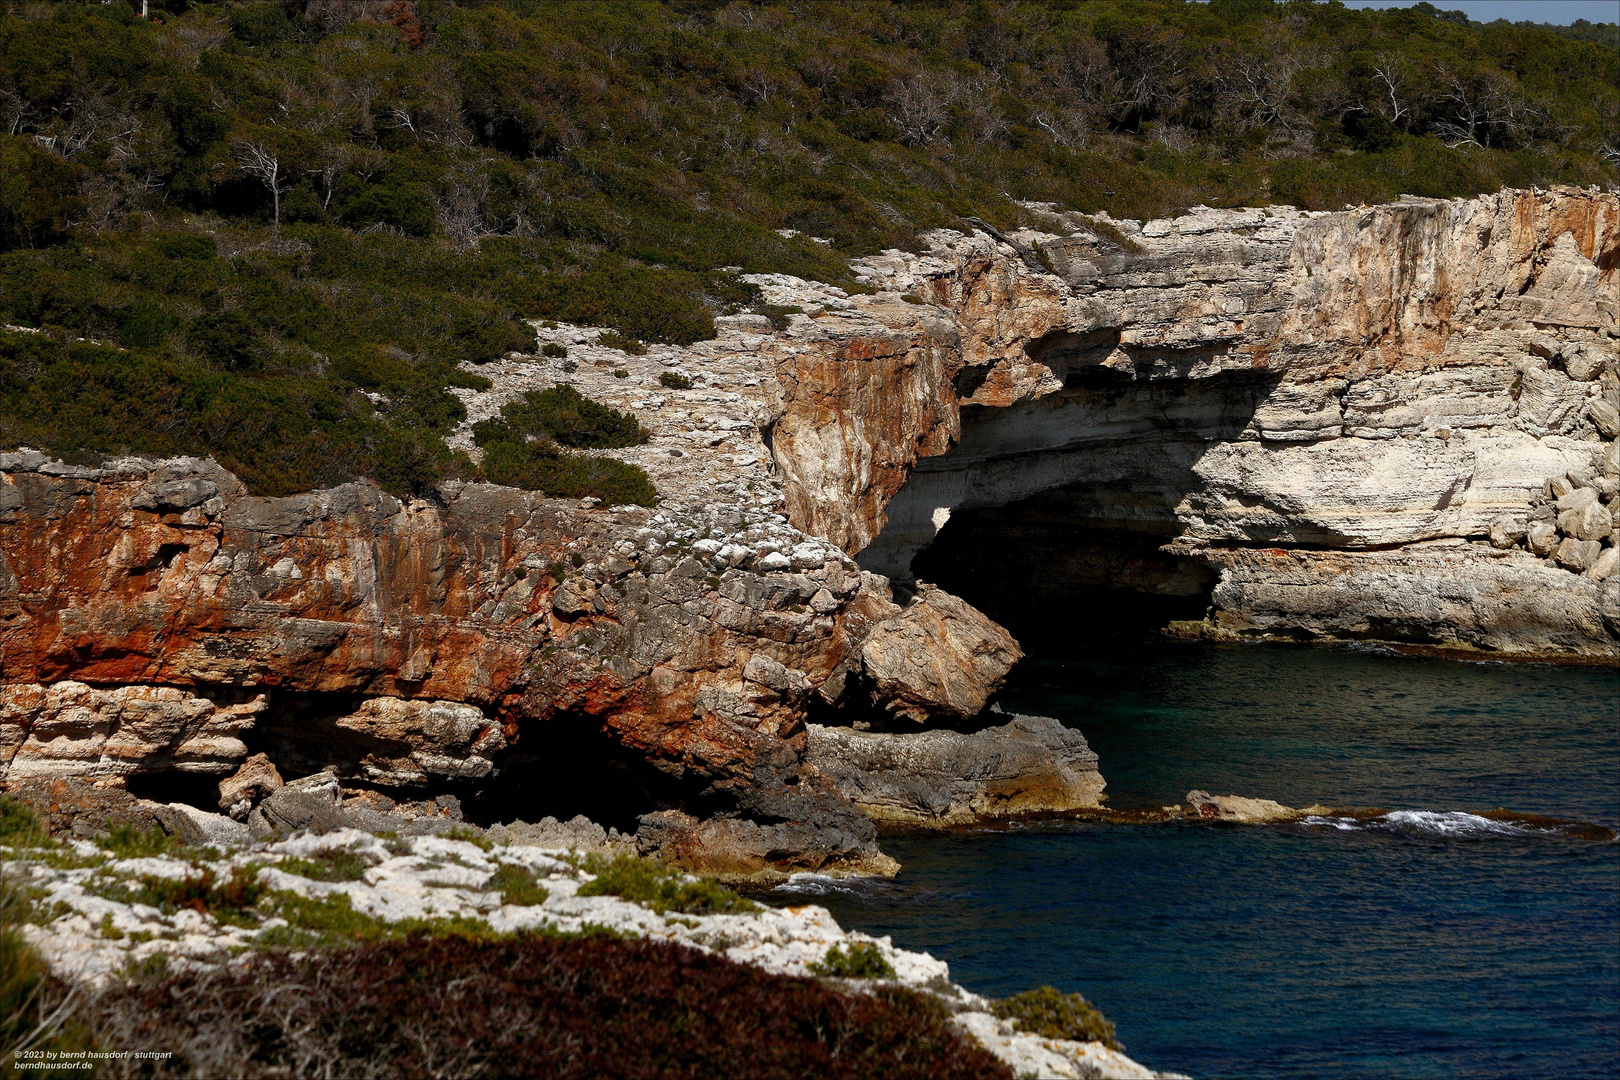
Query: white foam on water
point(1450, 823)
point(807, 884)
point(1343, 824)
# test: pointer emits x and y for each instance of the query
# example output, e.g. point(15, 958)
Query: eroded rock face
point(71, 729)
point(1362, 424)
point(1375, 380)
point(939, 656)
point(1029, 765)
point(151, 614)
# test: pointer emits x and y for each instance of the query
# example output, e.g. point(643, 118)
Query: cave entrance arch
point(1051, 516)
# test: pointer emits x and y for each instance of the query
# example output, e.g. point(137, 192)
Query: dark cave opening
point(1056, 581)
point(569, 766)
point(1052, 515)
point(559, 768)
point(174, 786)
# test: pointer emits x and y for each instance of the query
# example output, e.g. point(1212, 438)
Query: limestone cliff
point(1351, 422)
point(1392, 422)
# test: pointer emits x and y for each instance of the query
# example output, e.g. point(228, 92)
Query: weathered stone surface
point(1373, 379)
point(1507, 601)
point(438, 616)
point(1029, 765)
point(1244, 811)
point(1590, 521)
point(1605, 417)
point(71, 729)
point(445, 740)
point(245, 788)
point(739, 849)
point(307, 804)
point(1577, 555)
point(198, 828)
point(938, 657)
point(1542, 538)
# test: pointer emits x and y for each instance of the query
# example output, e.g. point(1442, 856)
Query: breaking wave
point(1455, 825)
point(822, 885)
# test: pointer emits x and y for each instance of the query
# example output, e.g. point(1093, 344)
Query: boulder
point(1542, 538)
point(1032, 764)
point(1605, 417)
point(199, 828)
point(310, 803)
point(1605, 565)
point(1583, 363)
point(1591, 521)
point(1244, 811)
point(739, 849)
point(1576, 498)
point(240, 792)
point(1577, 555)
point(1506, 532)
point(940, 657)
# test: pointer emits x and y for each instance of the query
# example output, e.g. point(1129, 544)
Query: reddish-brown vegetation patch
point(526, 1006)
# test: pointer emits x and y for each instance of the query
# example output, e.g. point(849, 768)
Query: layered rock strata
point(151, 614)
point(1391, 422)
point(1394, 421)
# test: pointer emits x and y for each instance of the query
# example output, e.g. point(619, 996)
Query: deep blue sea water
point(1430, 944)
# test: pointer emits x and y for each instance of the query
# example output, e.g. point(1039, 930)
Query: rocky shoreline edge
point(97, 910)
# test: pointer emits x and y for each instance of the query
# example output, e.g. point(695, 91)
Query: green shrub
point(1052, 1014)
point(229, 902)
point(20, 826)
point(615, 340)
point(1103, 230)
point(553, 349)
point(128, 842)
point(912, 298)
point(542, 467)
point(517, 885)
point(330, 864)
point(857, 960)
point(565, 416)
point(778, 313)
point(674, 380)
point(660, 887)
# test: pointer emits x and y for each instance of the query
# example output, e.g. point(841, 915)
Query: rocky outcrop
point(1261, 384)
point(157, 617)
point(71, 729)
point(1029, 765)
point(1391, 422)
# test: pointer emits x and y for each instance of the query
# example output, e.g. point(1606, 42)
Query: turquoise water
point(1427, 943)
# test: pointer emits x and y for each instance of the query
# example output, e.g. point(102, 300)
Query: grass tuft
point(328, 865)
point(517, 886)
point(660, 887)
point(20, 826)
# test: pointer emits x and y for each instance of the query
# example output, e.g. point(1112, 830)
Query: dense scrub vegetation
point(527, 1005)
point(521, 447)
point(279, 227)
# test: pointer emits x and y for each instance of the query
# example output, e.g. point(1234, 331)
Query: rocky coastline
point(99, 913)
point(1389, 423)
